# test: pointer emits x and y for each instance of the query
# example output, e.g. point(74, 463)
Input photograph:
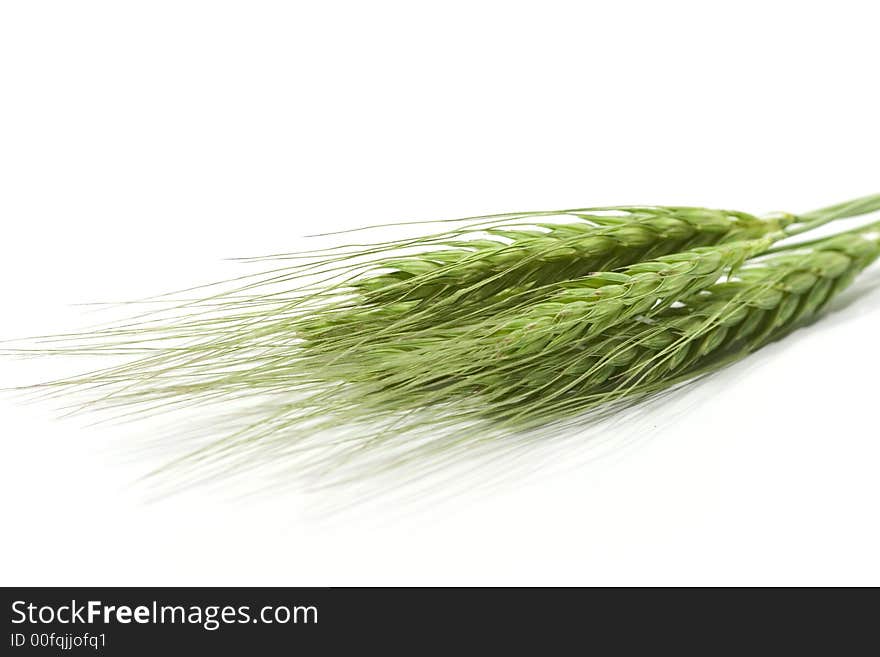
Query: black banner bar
point(157, 621)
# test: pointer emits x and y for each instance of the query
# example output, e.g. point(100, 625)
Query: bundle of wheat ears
point(499, 325)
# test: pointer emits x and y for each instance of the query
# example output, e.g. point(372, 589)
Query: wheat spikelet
point(584, 307)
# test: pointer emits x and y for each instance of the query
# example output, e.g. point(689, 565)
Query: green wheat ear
point(486, 268)
point(764, 301)
point(767, 298)
point(510, 323)
point(574, 310)
point(468, 279)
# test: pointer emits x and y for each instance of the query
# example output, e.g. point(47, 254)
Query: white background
point(142, 143)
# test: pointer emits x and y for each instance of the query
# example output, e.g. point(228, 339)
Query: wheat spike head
point(765, 299)
point(495, 323)
point(485, 269)
point(461, 276)
point(573, 310)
